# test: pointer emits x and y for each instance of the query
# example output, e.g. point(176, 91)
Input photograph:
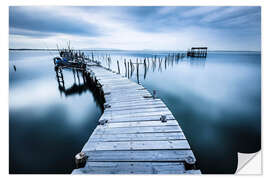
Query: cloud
point(30, 33)
point(146, 27)
point(229, 12)
point(200, 11)
point(247, 20)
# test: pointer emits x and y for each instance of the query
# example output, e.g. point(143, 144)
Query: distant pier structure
point(197, 52)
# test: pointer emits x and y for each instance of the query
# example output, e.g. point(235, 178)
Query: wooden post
point(160, 62)
point(80, 160)
point(106, 105)
point(109, 62)
point(103, 121)
point(128, 69)
point(131, 68)
point(138, 72)
point(165, 62)
point(190, 163)
point(96, 81)
point(148, 63)
point(145, 68)
point(153, 65)
point(154, 94)
point(125, 67)
point(118, 67)
point(78, 76)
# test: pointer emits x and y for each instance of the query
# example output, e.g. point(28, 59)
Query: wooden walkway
point(134, 140)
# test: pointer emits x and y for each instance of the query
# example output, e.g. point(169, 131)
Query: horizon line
point(104, 49)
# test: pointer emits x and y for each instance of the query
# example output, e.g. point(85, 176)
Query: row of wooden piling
point(95, 87)
point(130, 66)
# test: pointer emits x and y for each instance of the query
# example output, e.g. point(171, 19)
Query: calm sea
point(216, 100)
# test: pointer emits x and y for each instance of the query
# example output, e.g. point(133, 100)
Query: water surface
point(48, 125)
point(217, 102)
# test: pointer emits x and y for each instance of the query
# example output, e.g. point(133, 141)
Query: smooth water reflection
point(47, 125)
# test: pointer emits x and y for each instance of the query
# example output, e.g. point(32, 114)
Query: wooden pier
point(137, 133)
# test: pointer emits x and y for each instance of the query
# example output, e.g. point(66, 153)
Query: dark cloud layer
point(32, 23)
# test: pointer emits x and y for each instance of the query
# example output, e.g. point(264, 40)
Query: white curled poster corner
point(249, 163)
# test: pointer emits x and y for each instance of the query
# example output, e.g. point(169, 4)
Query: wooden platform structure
point(137, 133)
point(197, 52)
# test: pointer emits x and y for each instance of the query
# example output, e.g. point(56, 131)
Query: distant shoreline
point(24, 49)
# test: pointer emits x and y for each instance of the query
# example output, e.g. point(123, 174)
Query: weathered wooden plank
point(116, 83)
point(134, 95)
point(128, 101)
point(134, 168)
point(137, 115)
point(139, 156)
point(130, 109)
point(110, 78)
point(131, 112)
point(130, 130)
point(129, 91)
point(126, 92)
point(125, 86)
point(113, 80)
point(131, 96)
point(146, 101)
point(136, 145)
point(136, 106)
point(134, 100)
point(139, 124)
point(137, 137)
point(113, 88)
point(105, 76)
point(131, 87)
point(138, 118)
point(150, 111)
point(137, 111)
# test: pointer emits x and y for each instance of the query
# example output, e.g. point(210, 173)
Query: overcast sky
point(136, 28)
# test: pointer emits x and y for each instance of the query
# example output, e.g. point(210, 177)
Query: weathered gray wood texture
point(134, 140)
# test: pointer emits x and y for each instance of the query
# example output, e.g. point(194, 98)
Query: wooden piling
point(138, 80)
point(131, 68)
point(125, 67)
point(145, 68)
point(128, 69)
point(118, 67)
point(80, 160)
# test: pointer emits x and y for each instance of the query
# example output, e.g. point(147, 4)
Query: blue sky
point(136, 28)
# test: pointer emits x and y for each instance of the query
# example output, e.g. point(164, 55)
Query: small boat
point(61, 61)
point(69, 58)
point(58, 61)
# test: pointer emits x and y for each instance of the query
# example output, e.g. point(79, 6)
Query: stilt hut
point(197, 52)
